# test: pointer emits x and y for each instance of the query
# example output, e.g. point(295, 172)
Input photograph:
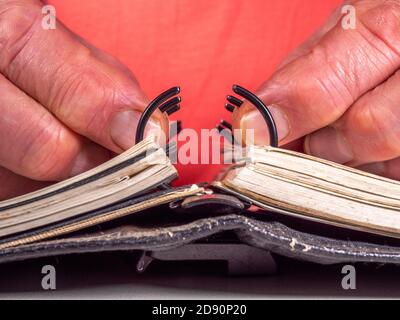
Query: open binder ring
point(165, 102)
point(162, 102)
point(263, 109)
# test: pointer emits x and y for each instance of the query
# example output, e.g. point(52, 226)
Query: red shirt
point(204, 46)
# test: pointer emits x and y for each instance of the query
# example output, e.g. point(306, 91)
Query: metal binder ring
point(169, 107)
point(267, 115)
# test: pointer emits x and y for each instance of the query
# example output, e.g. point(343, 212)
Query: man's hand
point(63, 103)
point(341, 90)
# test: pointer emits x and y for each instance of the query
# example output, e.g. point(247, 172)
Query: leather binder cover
point(169, 226)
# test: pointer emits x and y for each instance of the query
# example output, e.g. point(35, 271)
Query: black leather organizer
point(216, 227)
point(211, 226)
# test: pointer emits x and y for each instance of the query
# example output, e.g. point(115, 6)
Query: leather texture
point(173, 226)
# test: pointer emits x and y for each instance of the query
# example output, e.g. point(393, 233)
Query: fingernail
point(374, 168)
point(329, 144)
point(254, 121)
point(89, 157)
point(123, 128)
point(81, 164)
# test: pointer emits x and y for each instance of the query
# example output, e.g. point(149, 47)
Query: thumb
point(87, 90)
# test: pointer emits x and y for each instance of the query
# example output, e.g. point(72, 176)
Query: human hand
point(64, 104)
point(340, 90)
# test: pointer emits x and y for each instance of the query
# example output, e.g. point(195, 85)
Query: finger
point(36, 145)
point(389, 169)
point(368, 132)
point(13, 185)
point(89, 91)
point(316, 89)
point(306, 46)
point(297, 145)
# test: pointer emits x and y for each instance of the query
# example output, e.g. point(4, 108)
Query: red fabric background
point(203, 45)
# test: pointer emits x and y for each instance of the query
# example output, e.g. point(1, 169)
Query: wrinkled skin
point(65, 105)
point(336, 97)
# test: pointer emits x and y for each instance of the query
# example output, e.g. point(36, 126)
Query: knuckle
point(377, 129)
point(387, 132)
point(40, 159)
point(83, 100)
point(18, 20)
point(327, 94)
point(382, 22)
point(392, 169)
